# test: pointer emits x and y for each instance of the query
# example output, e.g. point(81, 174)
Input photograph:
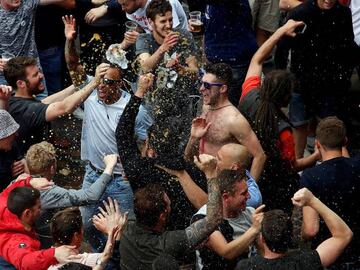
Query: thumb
point(259, 209)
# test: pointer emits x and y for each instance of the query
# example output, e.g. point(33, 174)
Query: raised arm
point(5, 93)
point(255, 67)
point(199, 127)
point(201, 229)
point(125, 137)
point(149, 61)
point(76, 70)
point(341, 235)
point(70, 103)
point(242, 131)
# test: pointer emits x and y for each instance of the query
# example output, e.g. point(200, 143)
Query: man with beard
point(24, 76)
point(221, 122)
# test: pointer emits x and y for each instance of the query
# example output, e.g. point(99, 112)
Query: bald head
point(233, 156)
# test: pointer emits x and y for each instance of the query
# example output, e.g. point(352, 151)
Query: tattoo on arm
point(201, 229)
point(72, 58)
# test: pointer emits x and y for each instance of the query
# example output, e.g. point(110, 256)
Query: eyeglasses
point(208, 85)
point(109, 81)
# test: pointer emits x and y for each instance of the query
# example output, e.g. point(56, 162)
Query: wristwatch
point(100, 262)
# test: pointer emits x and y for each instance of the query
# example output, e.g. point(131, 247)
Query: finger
point(111, 205)
point(117, 209)
point(259, 209)
point(208, 126)
point(102, 212)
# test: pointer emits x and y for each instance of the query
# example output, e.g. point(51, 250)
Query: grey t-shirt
point(17, 34)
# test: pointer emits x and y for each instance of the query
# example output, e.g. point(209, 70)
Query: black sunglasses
point(208, 85)
point(109, 81)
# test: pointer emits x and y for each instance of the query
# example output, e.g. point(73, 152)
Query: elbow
point(348, 235)
point(308, 232)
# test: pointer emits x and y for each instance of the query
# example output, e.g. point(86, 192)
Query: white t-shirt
point(179, 16)
point(99, 126)
point(355, 10)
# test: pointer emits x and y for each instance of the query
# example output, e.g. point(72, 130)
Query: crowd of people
point(193, 146)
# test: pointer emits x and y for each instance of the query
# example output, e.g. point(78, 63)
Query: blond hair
point(40, 157)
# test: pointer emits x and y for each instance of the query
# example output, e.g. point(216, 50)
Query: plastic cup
point(130, 26)
point(195, 21)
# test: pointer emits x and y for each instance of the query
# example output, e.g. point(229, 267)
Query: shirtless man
point(221, 123)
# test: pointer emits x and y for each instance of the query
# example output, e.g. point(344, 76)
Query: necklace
point(220, 107)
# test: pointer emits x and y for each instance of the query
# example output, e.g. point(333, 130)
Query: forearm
point(192, 149)
point(257, 166)
point(201, 229)
point(77, 72)
point(59, 96)
point(337, 227)
point(68, 4)
point(306, 162)
point(288, 5)
point(195, 194)
point(240, 245)
point(70, 103)
point(151, 62)
point(91, 194)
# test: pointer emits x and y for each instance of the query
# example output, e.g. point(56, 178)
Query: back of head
point(165, 262)
point(237, 153)
point(15, 69)
point(331, 133)
point(157, 7)
point(8, 126)
point(40, 157)
point(65, 224)
point(228, 178)
point(149, 203)
point(22, 198)
point(277, 87)
point(222, 72)
point(276, 230)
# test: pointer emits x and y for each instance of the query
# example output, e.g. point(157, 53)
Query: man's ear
point(223, 89)
point(20, 84)
point(317, 144)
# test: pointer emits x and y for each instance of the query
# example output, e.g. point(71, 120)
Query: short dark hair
point(276, 229)
point(222, 72)
point(157, 7)
point(75, 266)
point(149, 203)
point(228, 178)
point(331, 133)
point(22, 198)
point(15, 69)
point(65, 224)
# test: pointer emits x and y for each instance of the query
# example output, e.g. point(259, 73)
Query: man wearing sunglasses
point(221, 122)
point(102, 111)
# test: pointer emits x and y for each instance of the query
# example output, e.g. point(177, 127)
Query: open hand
point(70, 27)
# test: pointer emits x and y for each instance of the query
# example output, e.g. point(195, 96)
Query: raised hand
point(207, 164)
point(258, 217)
point(70, 27)
point(170, 41)
point(199, 127)
point(290, 27)
point(144, 84)
point(110, 218)
point(303, 197)
point(100, 72)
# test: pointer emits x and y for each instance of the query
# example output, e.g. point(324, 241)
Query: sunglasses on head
point(208, 85)
point(109, 81)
